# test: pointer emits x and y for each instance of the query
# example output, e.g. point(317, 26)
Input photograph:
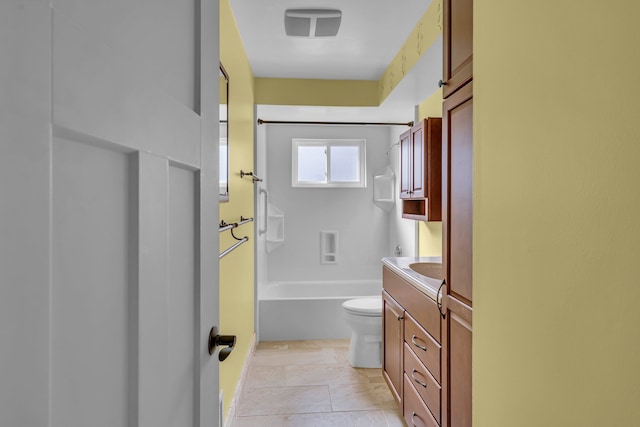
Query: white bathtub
point(308, 310)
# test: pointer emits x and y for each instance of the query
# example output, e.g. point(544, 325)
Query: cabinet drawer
point(423, 345)
point(421, 307)
point(424, 383)
point(415, 411)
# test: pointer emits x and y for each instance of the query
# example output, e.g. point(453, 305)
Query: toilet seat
point(371, 306)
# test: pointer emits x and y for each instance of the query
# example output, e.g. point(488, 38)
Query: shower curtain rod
point(287, 122)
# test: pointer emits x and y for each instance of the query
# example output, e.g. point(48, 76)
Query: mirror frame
point(223, 192)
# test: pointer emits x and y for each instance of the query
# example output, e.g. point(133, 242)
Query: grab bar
point(243, 220)
point(253, 177)
point(224, 227)
point(262, 231)
point(230, 249)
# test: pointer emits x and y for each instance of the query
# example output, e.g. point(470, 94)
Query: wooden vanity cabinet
point(421, 171)
point(411, 361)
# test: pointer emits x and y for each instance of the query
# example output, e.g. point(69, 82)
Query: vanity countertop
point(427, 285)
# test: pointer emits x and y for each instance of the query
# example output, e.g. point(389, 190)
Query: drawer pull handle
point(439, 299)
point(400, 317)
point(413, 414)
point(416, 380)
point(413, 340)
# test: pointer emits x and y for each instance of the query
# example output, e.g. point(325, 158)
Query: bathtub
point(308, 310)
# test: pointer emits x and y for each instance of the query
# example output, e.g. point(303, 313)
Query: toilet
point(364, 317)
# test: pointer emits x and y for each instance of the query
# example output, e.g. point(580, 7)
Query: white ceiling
point(418, 84)
point(371, 34)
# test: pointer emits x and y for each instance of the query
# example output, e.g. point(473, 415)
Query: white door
point(108, 212)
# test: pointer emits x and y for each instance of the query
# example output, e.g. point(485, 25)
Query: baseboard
point(243, 376)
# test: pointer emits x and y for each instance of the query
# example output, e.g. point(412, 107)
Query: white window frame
point(327, 143)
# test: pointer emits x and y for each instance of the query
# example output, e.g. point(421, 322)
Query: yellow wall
point(237, 268)
point(432, 106)
point(556, 214)
point(430, 233)
point(337, 93)
point(423, 35)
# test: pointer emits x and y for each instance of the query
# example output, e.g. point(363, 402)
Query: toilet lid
point(364, 306)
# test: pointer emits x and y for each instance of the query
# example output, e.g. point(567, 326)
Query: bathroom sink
point(429, 269)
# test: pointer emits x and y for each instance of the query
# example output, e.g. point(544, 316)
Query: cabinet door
point(433, 167)
point(457, 342)
point(405, 165)
point(457, 44)
point(418, 160)
point(458, 193)
point(393, 340)
point(457, 257)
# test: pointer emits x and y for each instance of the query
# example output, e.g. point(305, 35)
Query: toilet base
point(365, 351)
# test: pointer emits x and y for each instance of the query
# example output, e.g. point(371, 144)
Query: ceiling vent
point(312, 22)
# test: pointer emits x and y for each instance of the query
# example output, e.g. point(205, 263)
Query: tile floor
point(310, 383)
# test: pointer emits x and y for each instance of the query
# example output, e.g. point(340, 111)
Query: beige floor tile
point(386, 418)
point(374, 375)
point(394, 418)
point(259, 421)
point(265, 376)
point(323, 375)
point(343, 352)
point(355, 397)
point(295, 357)
point(337, 419)
point(303, 344)
point(284, 400)
point(310, 383)
point(376, 380)
point(273, 345)
point(372, 372)
point(344, 344)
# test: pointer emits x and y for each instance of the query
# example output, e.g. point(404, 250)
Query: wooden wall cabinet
point(457, 45)
point(457, 256)
point(411, 350)
point(457, 213)
point(421, 171)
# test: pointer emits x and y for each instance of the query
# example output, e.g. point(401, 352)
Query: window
point(326, 163)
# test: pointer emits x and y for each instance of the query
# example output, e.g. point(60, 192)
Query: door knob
point(441, 83)
point(216, 339)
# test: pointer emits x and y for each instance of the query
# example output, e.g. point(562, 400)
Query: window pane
point(345, 164)
point(312, 164)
